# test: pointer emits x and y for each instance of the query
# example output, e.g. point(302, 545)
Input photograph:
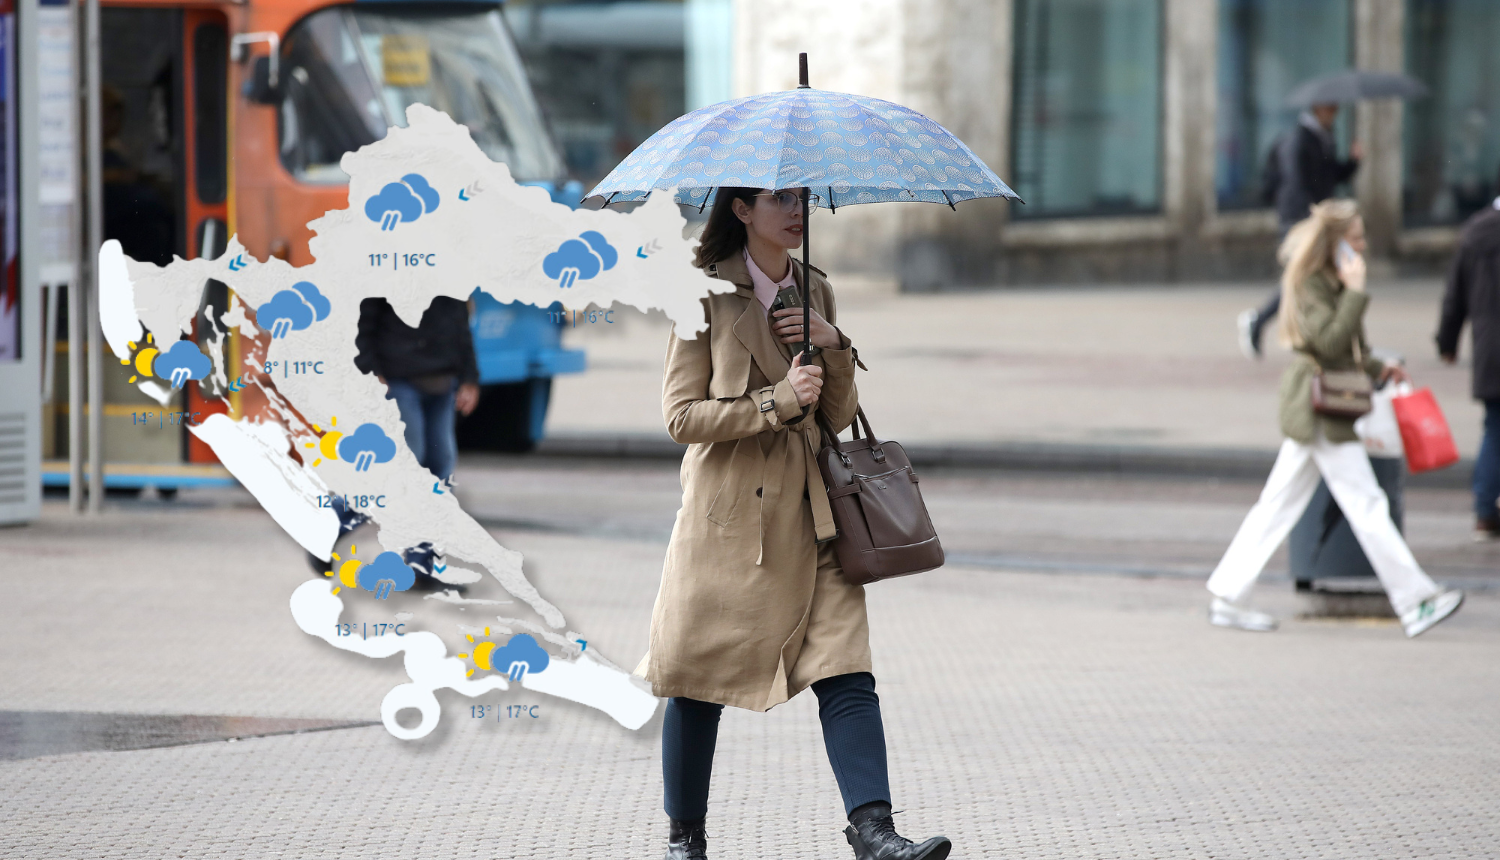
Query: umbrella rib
point(949, 200)
point(832, 209)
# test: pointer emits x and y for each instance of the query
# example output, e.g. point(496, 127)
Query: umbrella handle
point(807, 346)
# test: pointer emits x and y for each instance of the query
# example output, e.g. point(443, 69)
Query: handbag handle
point(859, 417)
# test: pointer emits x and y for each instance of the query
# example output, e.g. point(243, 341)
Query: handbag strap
point(831, 436)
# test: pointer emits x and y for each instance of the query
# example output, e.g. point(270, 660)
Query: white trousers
point(1346, 469)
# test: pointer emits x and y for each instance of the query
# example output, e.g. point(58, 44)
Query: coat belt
point(823, 525)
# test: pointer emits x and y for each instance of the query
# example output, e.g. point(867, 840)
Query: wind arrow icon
point(435, 487)
point(645, 251)
point(238, 384)
point(439, 568)
point(237, 263)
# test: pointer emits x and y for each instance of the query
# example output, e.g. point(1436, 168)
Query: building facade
point(1137, 130)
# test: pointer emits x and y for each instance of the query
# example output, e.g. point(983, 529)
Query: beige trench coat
point(751, 609)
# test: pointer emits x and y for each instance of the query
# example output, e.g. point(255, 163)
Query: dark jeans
point(1266, 312)
point(852, 733)
point(429, 425)
point(429, 435)
point(1487, 465)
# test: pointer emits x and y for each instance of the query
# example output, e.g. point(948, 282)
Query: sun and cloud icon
point(387, 573)
point(178, 363)
point(577, 260)
point(367, 445)
point(294, 309)
point(520, 655)
point(402, 201)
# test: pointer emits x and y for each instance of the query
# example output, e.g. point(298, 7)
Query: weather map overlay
point(429, 216)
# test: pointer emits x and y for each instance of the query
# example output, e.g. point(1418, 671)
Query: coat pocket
point(741, 475)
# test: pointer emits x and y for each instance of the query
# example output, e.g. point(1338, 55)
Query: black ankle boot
point(688, 841)
point(873, 835)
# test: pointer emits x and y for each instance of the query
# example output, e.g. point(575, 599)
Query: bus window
point(210, 80)
point(348, 75)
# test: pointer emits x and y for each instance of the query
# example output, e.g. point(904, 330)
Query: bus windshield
point(350, 74)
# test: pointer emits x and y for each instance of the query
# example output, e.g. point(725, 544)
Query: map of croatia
point(430, 215)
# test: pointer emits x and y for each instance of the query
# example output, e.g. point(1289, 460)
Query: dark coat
point(440, 344)
point(1474, 295)
point(1310, 172)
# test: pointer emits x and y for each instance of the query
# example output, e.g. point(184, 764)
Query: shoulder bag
point(1343, 393)
point(883, 527)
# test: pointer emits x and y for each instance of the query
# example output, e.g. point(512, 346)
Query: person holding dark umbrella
point(1305, 168)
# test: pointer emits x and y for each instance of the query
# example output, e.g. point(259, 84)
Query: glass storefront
point(1452, 138)
point(1266, 48)
point(1087, 121)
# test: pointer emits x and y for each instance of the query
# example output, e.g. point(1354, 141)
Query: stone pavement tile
point(1028, 716)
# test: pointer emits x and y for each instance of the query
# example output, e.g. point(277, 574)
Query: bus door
point(166, 188)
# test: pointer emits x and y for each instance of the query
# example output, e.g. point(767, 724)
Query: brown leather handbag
point(883, 527)
point(1343, 393)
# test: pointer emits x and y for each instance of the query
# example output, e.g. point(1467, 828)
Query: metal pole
point(75, 294)
point(93, 121)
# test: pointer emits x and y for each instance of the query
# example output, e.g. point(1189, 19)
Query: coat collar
point(752, 327)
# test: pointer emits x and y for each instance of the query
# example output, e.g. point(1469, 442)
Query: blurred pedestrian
point(431, 372)
point(753, 607)
point(1304, 170)
point(1323, 288)
point(1474, 295)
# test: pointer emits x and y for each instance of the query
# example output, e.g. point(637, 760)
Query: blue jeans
point(429, 425)
point(1487, 465)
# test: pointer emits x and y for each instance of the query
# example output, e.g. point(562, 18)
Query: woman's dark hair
point(724, 234)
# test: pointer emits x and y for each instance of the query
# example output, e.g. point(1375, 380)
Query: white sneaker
point(1222, 613)
point(1416, 621)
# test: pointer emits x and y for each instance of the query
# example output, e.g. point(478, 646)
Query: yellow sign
point(406, 60)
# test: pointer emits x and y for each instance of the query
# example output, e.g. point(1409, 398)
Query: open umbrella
point(1355, 85)
point(845, 149)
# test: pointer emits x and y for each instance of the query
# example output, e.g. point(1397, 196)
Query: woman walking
point(753, 607)
point(1322, 320)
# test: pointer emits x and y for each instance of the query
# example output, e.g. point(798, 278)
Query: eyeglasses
point(790, 200)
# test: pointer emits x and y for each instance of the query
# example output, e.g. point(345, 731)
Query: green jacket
point(1331, 319)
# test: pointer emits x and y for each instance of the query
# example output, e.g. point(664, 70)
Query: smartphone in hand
point(787, 297)
point(1344, 253)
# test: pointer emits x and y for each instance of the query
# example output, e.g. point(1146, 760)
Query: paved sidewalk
point(1030, 715)
point(1112, 368)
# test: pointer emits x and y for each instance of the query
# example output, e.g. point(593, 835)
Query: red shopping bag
point(1424, 432)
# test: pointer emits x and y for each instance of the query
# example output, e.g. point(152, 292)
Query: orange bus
point(224, 118)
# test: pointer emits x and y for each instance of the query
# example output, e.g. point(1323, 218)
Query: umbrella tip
point(802, 71)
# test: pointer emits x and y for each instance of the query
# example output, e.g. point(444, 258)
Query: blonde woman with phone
point(1322, 321)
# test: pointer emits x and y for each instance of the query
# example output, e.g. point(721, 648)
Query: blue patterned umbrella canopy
point(847, 149)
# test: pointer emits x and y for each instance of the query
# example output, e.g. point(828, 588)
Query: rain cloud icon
point(576, 260)
point(387, 573)
point(406, 200)
point(366, 446)
point(519, 656)
point(294, 309)
point(181, 362)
